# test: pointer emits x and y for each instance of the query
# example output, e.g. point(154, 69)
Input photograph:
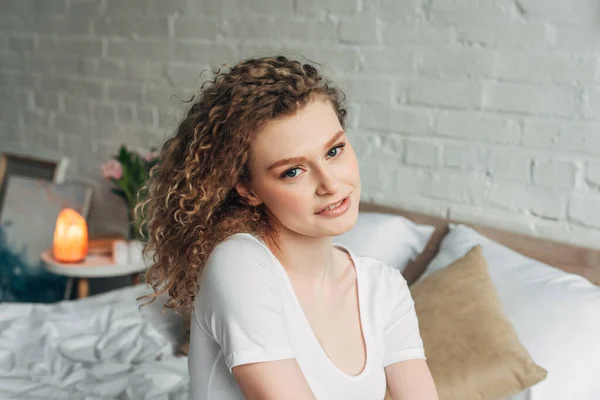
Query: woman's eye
point(292, 173)
point(336, 150)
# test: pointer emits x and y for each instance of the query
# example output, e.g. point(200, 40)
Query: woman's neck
point(306, 259)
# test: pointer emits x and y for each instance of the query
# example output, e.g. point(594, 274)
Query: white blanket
point(96, 348)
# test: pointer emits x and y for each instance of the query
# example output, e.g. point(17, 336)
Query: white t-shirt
point(246, 311)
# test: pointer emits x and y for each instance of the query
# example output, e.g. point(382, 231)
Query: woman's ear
point(247, 194)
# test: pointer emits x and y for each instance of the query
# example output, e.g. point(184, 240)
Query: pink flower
point(151, 156)
point(112, 169)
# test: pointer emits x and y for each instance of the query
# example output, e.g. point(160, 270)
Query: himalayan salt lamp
point(70, 237)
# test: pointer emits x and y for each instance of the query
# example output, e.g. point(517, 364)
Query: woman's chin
point(339, 226)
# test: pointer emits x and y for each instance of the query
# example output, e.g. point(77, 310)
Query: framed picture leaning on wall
point(30, 167)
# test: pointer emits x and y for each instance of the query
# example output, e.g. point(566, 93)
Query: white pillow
point(556, 314)
point(390, 238)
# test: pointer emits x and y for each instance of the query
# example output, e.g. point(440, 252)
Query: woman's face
point(302, 163)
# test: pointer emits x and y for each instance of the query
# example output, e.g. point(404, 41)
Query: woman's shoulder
point(379, 274)
point(238, 253)
point(384, 285)
point(240, 243)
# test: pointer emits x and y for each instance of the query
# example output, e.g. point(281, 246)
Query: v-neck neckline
point(363, 326)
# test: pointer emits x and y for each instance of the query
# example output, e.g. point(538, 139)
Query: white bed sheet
point(95, 348)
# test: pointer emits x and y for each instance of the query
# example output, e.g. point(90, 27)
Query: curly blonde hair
point(190, 202)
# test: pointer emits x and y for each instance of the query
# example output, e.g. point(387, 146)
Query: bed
point(549, 292)
point(102, 347)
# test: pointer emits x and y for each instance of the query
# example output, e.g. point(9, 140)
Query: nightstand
point(94, 266)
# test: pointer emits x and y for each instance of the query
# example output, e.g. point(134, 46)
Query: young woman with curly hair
point(241, 213)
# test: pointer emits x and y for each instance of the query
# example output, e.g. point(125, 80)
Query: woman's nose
point(327, 183)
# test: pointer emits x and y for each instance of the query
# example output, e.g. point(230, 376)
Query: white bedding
point(96, 348)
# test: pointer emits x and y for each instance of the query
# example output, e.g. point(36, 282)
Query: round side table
point(94, 266)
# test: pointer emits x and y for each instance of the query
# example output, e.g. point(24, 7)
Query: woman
point(258, 179)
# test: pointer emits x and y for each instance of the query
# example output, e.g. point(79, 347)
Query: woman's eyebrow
point(285, 161)
point(334, 139)
point(298, 160)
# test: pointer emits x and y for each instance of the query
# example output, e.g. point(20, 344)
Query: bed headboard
point(578, 260)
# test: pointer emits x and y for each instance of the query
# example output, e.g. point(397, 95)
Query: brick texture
point(484, 110)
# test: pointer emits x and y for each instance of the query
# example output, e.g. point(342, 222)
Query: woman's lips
point(339, 210)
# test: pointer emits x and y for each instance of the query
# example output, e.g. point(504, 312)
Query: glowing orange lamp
point(70, 237)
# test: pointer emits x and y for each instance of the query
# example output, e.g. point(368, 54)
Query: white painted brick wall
point(555, 173)
point(484, 110)
point(510, 165)
point(462, 155)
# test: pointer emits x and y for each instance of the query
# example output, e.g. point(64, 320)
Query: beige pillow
point(472, 349)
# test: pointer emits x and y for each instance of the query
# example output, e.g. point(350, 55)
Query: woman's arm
point(273, 380)
point(410, 380)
